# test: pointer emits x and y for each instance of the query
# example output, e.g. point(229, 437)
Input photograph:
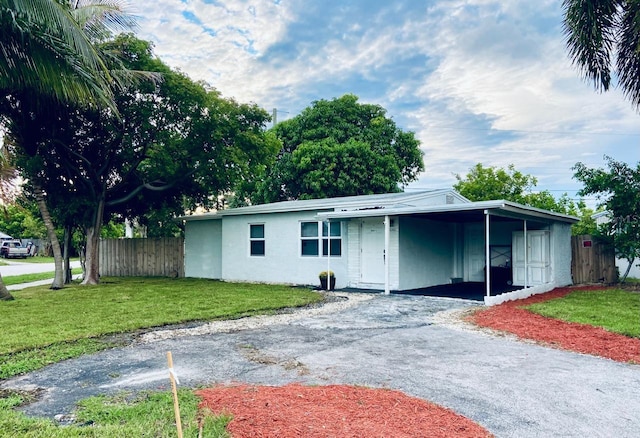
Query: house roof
point(373, 202)
point(495, 208)
point(394, 204)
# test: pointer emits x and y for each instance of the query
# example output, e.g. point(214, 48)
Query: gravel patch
point(336, 302)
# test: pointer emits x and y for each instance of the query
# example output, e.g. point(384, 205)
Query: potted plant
point(323, 280)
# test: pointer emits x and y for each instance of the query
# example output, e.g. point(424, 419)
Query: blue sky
point(478, 81)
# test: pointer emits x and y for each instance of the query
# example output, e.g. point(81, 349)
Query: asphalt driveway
point(512, 388)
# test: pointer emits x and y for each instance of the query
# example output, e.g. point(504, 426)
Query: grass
point(42, 325)
point(27, 278)
point(614, 310)
point(144, 414)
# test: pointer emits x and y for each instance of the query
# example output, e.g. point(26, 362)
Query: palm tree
point(48, 56)
point(603, 38)
point(7, 176)
point(47, 49)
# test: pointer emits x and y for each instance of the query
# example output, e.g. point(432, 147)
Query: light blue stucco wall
point(426, 253)
point(202, 249)
point(561, 254)
point(282, 262)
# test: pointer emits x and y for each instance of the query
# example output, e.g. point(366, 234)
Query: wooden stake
point(174, 389)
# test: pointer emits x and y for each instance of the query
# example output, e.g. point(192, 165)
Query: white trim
point(526, 257)
point(519, 294)
point(487, 252)
point(387, 234)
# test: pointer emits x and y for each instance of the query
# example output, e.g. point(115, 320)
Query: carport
point(525, 248)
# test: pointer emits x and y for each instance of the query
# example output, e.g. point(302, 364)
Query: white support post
point(328, 253)
point(387, 232)
point(526, 257)
point(487, 253)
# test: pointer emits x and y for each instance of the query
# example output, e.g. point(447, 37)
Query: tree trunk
point(58, 280)
point(624, 276)
point(92, 256)
point(65, 255)
point(5, 295)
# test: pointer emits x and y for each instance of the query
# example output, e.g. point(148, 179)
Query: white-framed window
point(256, 240)
point(317, 237)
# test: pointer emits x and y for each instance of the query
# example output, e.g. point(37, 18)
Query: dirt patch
point(332, 411)
point(581, 338)
point(28, 395)
point(254, 355)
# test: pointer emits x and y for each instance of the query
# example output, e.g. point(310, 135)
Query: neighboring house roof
point(350, 203)
point(4, 236)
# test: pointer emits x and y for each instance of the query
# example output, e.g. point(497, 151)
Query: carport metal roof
point(469, 211)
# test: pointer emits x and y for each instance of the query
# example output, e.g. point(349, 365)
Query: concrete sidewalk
point(21, 286)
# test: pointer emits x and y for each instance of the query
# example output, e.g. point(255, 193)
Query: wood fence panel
point(161, 257)
point(592, 260)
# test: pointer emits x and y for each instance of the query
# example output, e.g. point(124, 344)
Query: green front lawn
point(43, 326)
point(615, 310)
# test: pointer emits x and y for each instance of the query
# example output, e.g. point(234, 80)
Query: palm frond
point(47, 48)
point(628, 56)
point(589, 28)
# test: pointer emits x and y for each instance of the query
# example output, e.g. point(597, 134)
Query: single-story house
point(389, 242)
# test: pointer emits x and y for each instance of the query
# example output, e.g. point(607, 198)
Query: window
point(313, 234)
point(309, 236)
point(256, 239)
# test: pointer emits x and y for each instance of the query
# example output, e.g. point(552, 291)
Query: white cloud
point(477, 80)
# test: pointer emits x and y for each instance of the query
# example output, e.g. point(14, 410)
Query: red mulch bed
point(571, 336)
point(332, 411)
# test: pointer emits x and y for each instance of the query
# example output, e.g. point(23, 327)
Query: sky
point(477, 81)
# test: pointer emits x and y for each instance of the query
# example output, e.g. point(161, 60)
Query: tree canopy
point(339, 147)
point(603, 39)
point(47, 57)
point(174, 145)
point(618, 191)
point(493, 183)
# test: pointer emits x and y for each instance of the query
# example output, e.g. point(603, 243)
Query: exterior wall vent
point(449, 199)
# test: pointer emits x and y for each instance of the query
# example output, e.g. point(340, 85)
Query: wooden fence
point(592, 261)
point(161, 257)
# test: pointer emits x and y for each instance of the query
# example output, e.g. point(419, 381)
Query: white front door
point(372, 251)
point(474, 252)
point(538, 260)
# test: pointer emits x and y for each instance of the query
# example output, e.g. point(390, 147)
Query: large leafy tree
point(48, 57)
point(603, 38)
point(339, 147)
point(174, 145)
point(618, 191)
point(492, 183)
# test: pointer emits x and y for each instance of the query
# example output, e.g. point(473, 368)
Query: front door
point(538, 261)
point(372, 251)
point(475, 255)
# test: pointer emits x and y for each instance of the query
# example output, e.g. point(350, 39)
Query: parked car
point(13, 249)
